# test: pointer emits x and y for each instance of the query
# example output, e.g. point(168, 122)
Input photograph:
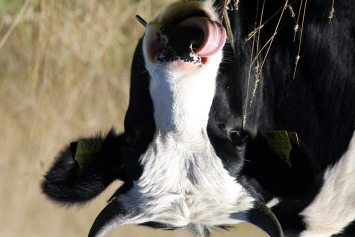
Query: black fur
point(66, 183)
point(318, 103)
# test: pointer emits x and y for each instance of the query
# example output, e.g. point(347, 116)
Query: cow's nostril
point(198, 43)
point(131, 139)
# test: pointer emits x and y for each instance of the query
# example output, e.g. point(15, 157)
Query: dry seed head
point(244, 118)
point(256, 65)
point(297, 59)
point(251, 34)
point(296, 28)
point(296, 63)
point(231, 7)
point(291, 11)
point(226, 4)
point(236, 5)
point(255, 87)
point(331, 14)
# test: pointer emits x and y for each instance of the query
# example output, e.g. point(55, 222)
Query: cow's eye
point(131, 139)
point(238, 137)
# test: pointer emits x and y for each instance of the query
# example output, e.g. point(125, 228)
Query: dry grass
point(64, 72)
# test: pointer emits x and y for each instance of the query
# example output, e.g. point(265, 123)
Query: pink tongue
point(214, 35)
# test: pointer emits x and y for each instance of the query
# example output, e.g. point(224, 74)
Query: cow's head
point(180, 179)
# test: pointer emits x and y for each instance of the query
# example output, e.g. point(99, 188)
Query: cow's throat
point(182, 105)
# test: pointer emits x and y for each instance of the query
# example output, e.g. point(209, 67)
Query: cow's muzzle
point(191, 37)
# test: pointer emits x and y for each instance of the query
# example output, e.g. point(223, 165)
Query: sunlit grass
point(64, 72)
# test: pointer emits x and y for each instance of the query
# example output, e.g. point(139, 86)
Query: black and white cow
point(196, 152)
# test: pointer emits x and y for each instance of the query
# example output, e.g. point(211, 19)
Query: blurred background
point(64, 72)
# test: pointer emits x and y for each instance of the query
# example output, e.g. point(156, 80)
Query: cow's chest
point(184, 185)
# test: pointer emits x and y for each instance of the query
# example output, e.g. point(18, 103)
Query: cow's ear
point(284, 177)
point(84, 168)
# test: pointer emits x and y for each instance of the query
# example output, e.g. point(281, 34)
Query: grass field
point(64, 72)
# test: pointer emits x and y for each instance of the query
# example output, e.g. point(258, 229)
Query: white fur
point(182, 103)
point(334, 207)
point(183, 182)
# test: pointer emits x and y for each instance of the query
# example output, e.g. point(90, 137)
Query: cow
point(239, 111)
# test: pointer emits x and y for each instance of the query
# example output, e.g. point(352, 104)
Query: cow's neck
point(182, 105)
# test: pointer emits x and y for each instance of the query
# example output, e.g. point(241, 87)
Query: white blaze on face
point(183, 183)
